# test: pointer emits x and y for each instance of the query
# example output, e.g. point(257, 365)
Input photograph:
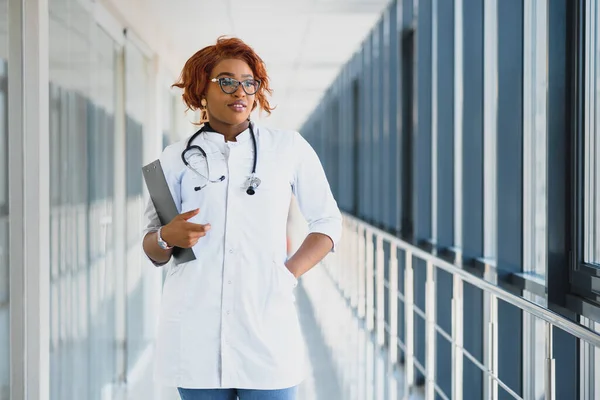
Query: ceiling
point(304, 43)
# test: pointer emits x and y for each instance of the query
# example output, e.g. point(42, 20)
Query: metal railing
point(358, 269)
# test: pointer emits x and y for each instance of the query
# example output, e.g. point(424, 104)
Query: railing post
point(345, 265)
point(353, 263)
point(550, 371)
point(457, 337)
point(409, 365)
point(430, 332)
point(361, 272)
point(393, 296)
point(490, 344)
point(380, 278)
point(341, 257)
point(369, 278)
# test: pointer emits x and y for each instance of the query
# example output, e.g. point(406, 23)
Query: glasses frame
point(238, 83)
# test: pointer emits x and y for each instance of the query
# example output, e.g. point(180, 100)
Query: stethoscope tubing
point(252, 185)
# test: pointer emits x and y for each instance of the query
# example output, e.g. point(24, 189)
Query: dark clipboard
point(164, 204)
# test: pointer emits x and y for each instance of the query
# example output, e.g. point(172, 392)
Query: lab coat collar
point(218, 138)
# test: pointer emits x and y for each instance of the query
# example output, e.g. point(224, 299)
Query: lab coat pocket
point(288, 279)
point(176, 291)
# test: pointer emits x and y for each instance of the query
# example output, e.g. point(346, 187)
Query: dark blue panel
point(472, 209)
point(335, 137)
point(405, 198)
point(422, 170)
point(566, 352)
point(357, 171)
point(363, 148)
point(384, 166)
point(445, 180)
point(510, 348)
point(377, 194)
point(443, 366)
point(419, 338)
point(510, 134)
point(473, 341)
point(369, 133)
point(444, 300)
point(407, 13)
point(444, 320)
point(345, 152)
point(445, 124)
point(510, 181)
point(559, 227)
point(346, 161)
point(394, 148)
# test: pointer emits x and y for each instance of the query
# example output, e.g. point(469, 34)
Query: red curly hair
point(196, 71)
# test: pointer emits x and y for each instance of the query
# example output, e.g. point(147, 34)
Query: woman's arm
point(179, 233)
point(314, 248)
point(156, 253)
point(318, 207)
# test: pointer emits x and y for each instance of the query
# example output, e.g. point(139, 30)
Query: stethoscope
point(253, 181)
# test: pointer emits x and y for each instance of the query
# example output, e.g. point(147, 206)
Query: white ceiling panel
point(304, 43)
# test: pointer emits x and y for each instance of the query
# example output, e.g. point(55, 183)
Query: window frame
point(584, 296)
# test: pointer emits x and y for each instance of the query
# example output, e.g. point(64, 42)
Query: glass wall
point(4, 262)
point(591, 140)
point(486, 173)
point(136, 103)
point(82, 276)
point(102, 291)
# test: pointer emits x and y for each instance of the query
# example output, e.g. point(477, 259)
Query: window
point(82, 102)
point(4, 262)
point(591, 137)
point(535, 136)
point(535, 73)
point(586, 159)
point(407, 129)
point(136, 92)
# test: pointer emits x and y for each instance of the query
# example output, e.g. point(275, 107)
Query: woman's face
point(229, 109)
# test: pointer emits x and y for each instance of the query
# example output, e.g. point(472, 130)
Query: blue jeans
point(241, 394)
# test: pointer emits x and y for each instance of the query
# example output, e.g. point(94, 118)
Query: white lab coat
point(228, 319)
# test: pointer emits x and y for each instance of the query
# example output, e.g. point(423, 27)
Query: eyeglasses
point(230, 85)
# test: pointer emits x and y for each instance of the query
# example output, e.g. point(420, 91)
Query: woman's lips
point(237, 107)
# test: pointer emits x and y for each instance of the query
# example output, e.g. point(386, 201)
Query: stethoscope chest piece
point(253, 182)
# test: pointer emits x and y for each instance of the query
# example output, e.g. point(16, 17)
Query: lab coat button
point(230, 251)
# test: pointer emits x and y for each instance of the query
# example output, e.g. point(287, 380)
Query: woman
point(228, 324)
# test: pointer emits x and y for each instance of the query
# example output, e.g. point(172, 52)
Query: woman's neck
point(230, 132)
